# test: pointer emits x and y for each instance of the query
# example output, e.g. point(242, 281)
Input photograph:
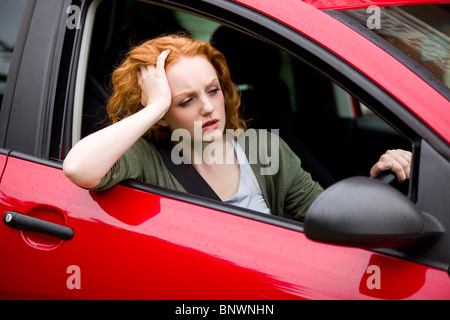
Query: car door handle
point(24, 222)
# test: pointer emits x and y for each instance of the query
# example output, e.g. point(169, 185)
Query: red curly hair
point(126, 99)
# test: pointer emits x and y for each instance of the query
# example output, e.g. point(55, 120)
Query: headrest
point(249, 59)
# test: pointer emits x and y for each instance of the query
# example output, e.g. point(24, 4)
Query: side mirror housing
point(366, 213)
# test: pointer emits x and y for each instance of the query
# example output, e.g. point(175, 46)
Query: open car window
point(314, 115)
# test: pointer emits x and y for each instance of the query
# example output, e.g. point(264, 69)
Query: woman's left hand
point(398, 161)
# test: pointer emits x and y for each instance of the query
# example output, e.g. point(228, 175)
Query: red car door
point(132, 244)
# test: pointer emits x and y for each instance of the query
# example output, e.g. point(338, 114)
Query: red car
point(349, 79)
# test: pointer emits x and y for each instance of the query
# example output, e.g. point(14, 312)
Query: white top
point(248, 195)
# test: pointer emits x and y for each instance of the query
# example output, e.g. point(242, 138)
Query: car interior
point(334, 135)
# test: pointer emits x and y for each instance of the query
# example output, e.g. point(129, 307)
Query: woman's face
point(196, 97)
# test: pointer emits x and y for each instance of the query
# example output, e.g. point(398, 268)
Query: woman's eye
point(214, 91)
point(185, 102)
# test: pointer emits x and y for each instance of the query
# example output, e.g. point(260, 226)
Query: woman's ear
point(163, 123)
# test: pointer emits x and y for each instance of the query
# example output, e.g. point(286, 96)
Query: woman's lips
point(210, 125)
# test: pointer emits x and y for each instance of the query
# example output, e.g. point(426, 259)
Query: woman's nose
point(207, 106)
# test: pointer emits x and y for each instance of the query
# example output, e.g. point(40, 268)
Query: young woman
point(177, 84)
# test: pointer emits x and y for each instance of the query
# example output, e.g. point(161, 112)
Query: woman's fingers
point(153, 82)
point(146, 72)
point(142, 76)
point(160, 62)
point(398, 161)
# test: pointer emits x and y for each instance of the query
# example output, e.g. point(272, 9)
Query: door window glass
point(421, 32)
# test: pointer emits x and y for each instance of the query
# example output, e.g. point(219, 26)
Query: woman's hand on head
point(398, 161)
point(154, 85)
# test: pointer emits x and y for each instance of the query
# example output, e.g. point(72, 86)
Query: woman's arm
point(91, 158)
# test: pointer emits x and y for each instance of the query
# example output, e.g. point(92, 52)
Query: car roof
point(358, 4)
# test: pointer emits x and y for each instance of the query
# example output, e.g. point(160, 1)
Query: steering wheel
point(390, 178)
point(387, 177)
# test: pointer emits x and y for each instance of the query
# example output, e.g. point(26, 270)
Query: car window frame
point(283, 37)
point(81, 69)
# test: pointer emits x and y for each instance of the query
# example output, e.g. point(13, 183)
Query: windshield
point(421, 32)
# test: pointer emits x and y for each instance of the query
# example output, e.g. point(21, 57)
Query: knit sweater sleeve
point(142, 162)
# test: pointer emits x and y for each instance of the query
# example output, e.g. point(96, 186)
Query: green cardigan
point(289, 189)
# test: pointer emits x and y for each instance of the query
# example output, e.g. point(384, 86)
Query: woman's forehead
point(188, 71)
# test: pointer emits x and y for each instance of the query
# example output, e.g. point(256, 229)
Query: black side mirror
point(366, 213)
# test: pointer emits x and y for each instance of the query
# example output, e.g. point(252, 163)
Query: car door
point(163, 248)
point(138, 241)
